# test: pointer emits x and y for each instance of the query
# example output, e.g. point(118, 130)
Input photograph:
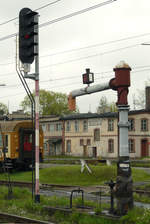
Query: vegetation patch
point(71, 175)
point(22, 204)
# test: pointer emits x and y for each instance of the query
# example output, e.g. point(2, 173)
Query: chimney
point(147, 94)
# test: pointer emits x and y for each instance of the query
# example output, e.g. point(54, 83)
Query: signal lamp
point(88, 77)
point(27, 35)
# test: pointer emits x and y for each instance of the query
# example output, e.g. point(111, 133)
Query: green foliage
point(105, 106)
point(51, 103)
point(77, 218)
point(139, 99)
point(3, 109)
point(140, 175)
point(23, 205)
point(137, 216)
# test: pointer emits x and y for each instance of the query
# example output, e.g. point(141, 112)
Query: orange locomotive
point(17, 143)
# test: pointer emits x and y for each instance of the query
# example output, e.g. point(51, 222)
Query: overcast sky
point(98, 39)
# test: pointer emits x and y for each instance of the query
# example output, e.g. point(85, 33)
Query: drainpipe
point(63, 138)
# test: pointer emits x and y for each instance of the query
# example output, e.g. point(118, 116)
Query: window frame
point(110, 124)
point(131, 124)
point(110, 145)
point(76, 126)
point(144, 127)
point(68, 143)
point(81, 142)
point(96, 134)
point(85, 126)
point(88, 141)
point(68, 126)
point(131, 144)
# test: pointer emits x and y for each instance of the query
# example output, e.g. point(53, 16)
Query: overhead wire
point(76, 13)
point(79, 12)
point(42, 7)
point(64, 17)
point(85, 57)
point(75, 77)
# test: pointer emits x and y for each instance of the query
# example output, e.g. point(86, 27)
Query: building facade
point(96, 135)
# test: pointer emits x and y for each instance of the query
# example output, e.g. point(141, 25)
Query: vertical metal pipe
point(123, 130)
point(37, 195)
point(124, 181)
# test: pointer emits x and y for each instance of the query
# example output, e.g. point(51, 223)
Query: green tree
point(3, 109)
point(139, 99)
point(51, 103)
point(104, 106)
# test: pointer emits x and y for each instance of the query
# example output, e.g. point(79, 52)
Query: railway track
point(5, 218)
point(66, 187)
point(29, 185)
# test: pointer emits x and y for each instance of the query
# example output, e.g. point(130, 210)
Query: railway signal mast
point(29, 53)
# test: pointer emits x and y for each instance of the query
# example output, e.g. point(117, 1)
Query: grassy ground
point(71, 175)
point(22, 203)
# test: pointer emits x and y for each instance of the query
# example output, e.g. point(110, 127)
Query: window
point(44, 127)
point(88, 141)
point(97, 134)
point(85, 126)
point(131, 125)
point(48, 127)
point(68, 126)
point(1, 140)
point(58, 127)
point(76, 126)
point(110, 145)
point(131, 146)
point(110, 124)
point(81, 142)
point(144, 125)
point(6, 143)
point(27, 142)
point(68, 146)
point(52, 127)
point(6, 140)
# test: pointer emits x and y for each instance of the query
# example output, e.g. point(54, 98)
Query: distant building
point(93, 135)
point(96, 135)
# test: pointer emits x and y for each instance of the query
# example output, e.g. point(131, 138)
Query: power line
point(142, 68)
point(74, 77)
point(86, 57)
point(59, 86)
point(45, 6)
point(90, 56)
point(64, 17)
point(42, 7)
point(76, 13)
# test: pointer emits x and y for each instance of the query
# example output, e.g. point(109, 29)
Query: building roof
point(88, 115)
point(102, 115)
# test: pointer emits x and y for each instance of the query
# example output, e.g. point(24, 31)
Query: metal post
point(123, 188)
point(124, 182)
point(37, 195)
